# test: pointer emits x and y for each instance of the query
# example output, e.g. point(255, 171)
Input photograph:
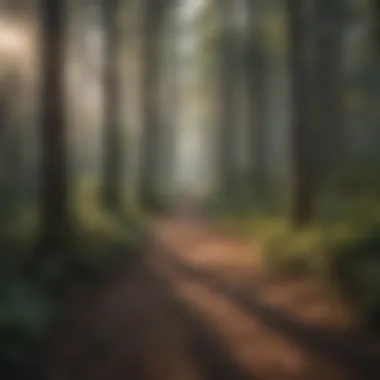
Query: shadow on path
point(132, 327)
point(350, 352)
point(215, 361)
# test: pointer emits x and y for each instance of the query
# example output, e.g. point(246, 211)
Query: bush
point(32, 282)
point(342, 247)
point(26, 311)
point(357, 269)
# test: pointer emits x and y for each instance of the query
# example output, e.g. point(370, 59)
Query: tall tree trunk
point(174, 95)
point(171, 103)
point(112, 158)
point(376, 9)
point(302, 184)
point(256, 104)
point(329, 84)
point(55, 213)
point(4, 103)
point(150, 134)
point(227, 101)
point(14, 143)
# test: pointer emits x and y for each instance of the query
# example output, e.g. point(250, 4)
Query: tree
point(112, 159)
point(256, 89)
point(169, 102)
point(328, 86)
point(152, 14)
point(4, 103)
point(55, 212)
point(302, 185)
point(376, 4)
point(12, 111)
point(227, 101)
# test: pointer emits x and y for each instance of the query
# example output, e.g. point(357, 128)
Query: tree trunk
point(170, 114)
point(227, 102)
point(4, 103)
point(376, 9)
point(55, 213)
point(256, 105)
point(302, 185)
point(150, 134)
point(329, 85)
point(112, 157)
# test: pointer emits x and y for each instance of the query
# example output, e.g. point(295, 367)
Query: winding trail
point(196, 306)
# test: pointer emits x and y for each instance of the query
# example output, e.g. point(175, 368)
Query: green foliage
point(342, 245)
point(26, 311)
point(357, 269)
point(359, 176)
point(32, 282)
point(243, 203)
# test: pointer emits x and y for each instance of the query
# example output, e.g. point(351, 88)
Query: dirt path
point(315, 330)
point(195, 307)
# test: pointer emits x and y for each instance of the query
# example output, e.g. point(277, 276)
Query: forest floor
point(197, 306)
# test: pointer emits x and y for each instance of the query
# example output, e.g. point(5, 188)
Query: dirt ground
point(197, 307)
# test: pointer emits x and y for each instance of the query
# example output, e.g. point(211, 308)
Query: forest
point(189, 189)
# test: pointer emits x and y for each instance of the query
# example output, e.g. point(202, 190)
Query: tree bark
point(256, 105)
point(302, 185)
point(55, 212)
point(170, 111)
point(147, 190)
point(329, 85)
point(112, 138)
point(228, 169)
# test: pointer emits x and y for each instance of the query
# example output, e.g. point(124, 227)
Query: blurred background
point(263, 115)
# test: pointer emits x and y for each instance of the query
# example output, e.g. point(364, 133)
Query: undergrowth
point(341, 245)
point(31, 300)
